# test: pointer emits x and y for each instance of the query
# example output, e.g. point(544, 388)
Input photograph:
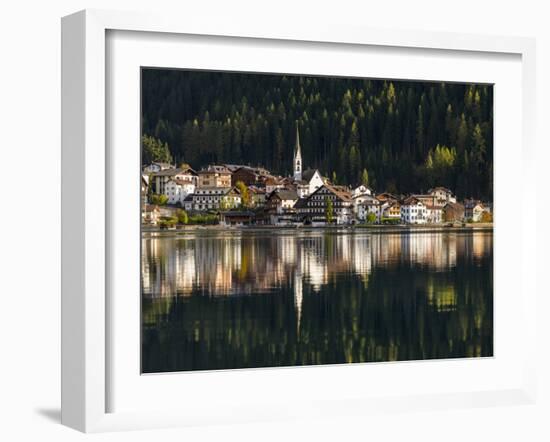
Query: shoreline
point(424, 228)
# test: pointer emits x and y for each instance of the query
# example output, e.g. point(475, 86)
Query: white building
point(434, 202)
point(310, 182)
point(177, 190)
point(361, 191)
point(442, 195)
point(160, 179)
point(434, 214)
point(213, 198)
point(368, 206)
point(361, 198)
point(207, 198)
point(231, 200)
point(413, 211)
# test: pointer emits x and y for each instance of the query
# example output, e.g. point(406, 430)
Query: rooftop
point(470, 204)
point(307, 175)
point(214, 168)
point(411, 200)
point(161, 164)
point(444, 189)
point(257, 190)
point(272, 180)
point(386, 196)
point(285, 194)
point(456, 205)
point(170, 172)
point(341, 192)
point(370, 202)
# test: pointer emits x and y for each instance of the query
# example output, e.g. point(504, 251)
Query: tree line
point(398, 136)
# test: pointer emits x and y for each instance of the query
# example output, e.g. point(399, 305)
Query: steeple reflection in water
point(253, 298)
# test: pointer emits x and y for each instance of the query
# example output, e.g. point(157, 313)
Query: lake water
point(215, 299)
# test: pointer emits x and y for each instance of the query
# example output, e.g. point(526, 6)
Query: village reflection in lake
point(223, 299)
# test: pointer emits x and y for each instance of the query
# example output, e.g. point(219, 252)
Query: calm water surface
point(257, 298)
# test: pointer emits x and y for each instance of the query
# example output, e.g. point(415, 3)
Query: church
point(307, 181)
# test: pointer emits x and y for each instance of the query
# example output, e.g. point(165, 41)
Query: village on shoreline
point(242, 195)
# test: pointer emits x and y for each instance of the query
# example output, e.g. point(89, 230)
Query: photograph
point(296, 220)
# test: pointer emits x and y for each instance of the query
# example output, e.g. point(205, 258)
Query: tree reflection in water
point(246, 298)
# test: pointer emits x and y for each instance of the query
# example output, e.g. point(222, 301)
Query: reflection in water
point(254, 298)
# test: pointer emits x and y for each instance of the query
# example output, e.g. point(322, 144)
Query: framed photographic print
point(250, 214)
point(262, 247)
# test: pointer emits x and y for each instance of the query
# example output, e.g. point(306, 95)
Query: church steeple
point(297, 157)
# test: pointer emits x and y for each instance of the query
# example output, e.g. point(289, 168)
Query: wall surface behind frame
point(30, 219)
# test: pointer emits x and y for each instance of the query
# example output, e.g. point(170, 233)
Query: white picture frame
point(86, 356)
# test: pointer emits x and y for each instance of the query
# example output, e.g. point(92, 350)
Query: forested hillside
point(407, 136)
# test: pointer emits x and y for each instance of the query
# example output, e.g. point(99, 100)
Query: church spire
point(297, 157)
point(297, 148)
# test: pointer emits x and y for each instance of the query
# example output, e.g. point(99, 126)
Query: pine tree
point(154, 150)
point(420, 131)
point(462, 134)
point(345, 124)
point(478, 146)
point(365, 178)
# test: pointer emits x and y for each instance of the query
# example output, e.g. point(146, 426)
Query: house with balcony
point(314, 208)
point(231, 199)
point(213, 198)
point(360, 199)
point(280, 206)
point(390, 210)
point(214, 176)
point(442, 195)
